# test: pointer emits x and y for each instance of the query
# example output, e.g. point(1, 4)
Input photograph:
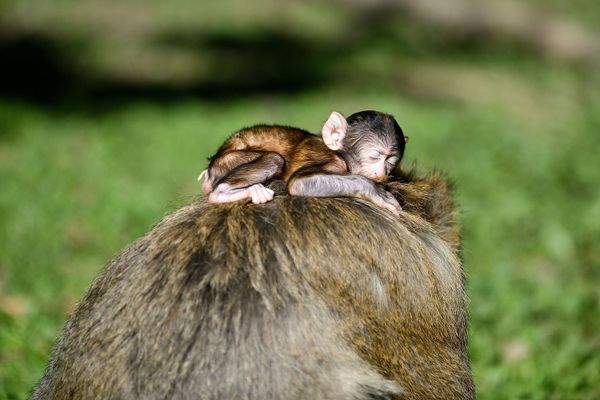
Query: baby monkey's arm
point(324, 181)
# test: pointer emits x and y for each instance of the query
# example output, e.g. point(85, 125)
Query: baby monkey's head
point(371, 142)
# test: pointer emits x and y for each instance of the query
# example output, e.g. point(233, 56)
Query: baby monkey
point(351, 158)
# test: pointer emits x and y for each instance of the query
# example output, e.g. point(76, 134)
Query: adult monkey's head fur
point(299, 298)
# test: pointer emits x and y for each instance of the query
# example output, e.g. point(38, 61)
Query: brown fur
point(298, 149)
point(299, 298)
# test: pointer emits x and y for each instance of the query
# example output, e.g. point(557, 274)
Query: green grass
point(78, 187)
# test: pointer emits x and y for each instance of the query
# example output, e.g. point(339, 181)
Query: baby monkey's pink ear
point(334, 131)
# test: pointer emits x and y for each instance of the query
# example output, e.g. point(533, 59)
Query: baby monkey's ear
point(334, 131)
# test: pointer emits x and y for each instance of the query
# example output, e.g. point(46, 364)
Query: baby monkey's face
point(371, 142)
point(376, 160)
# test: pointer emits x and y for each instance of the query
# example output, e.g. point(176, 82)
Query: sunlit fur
point(301, 298)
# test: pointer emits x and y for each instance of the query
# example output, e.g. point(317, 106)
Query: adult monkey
point(299, 298)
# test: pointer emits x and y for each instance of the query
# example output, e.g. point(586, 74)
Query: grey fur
point(300, 298)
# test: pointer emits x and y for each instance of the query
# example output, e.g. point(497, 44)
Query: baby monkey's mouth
point(377, 178)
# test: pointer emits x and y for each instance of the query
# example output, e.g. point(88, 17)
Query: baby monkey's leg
point(245, 180)
point(222, 166)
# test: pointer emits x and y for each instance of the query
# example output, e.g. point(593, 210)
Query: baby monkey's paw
point(386, 200)
point(260, 194)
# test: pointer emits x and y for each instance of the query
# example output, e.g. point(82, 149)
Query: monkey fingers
point(260, 194)
point(388, 201)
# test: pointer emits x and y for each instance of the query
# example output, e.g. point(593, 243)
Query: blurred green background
point(109, 109)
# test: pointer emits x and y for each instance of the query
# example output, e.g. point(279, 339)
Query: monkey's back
point(297, 147)
point(276, 138)
point(300, 298)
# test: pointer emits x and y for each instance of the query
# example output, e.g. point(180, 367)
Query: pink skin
point(377, 166)
point(376, 171)
point(334, 130)
point(206, 185)
point(224, 194)
point(257, 193)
